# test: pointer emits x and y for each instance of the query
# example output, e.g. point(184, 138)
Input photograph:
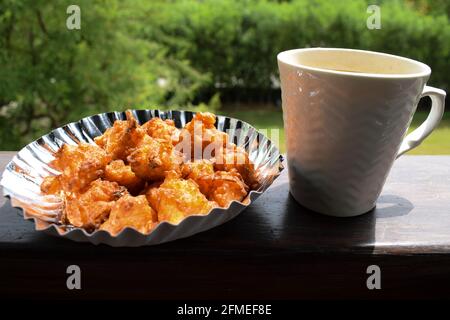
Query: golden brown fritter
point(117, 140)
point(162, 129)
point(133, 212)
point(145, 161)
point(118, 172)
point(196, 169)
point(51, 185)
point(91, 208)
point(220, 186)
point(122, 138)
point(153, 158)
point(201, 171)
point(201, 136)
point(177, 198)
point(235, 158)
point(223, 187)
point(80, 165)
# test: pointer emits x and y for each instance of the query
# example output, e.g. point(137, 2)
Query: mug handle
point(416, 137)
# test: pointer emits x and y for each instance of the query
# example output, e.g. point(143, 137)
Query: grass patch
point(272, 118)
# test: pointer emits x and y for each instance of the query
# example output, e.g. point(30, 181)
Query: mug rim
point(283, 58)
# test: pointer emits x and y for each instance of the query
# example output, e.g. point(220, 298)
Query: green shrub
point(52, 75)
point(236, 42)
point(135, 53)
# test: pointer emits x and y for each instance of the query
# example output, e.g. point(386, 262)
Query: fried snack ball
point(118, 140)
point(162, 129)
point(133, 212)
point(197, 169)
point(223, 187)
point(145, 161)
point(51, 185)
point(80, 165)
point(201, 171)
point(122, 138)
point(153, 158)
point(235, 158)
point(177, 198)
point(118, 172)
point(91, 208)
point(200, 134)
point(220, 186)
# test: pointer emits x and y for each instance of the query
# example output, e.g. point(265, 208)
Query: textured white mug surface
point(346, 113)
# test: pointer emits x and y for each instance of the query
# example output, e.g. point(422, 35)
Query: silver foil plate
point(23, 175)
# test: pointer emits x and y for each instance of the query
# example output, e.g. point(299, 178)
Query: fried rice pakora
point(202, 136)
point(233, 158)
point(153, 158)
point(177, 198)
point(136, 176)
point(118, 171)
point(118, 140)
point(79, 166)
point(133, 212)
point(91, 208)
point(162, 129)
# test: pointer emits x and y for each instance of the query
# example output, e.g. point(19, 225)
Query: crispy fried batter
point(153, 158)
point(51, 185)
point(145, 161)
point(162, 129)
point(118, 172)
point(133, 212)
point(235, 158)
point(154, 185)
point(80, 165)
point(196, 169)
point(91, 208)
point(223, 187)
point(117, 140)
point(201, 171)
point(176, 199)
point(201, 134)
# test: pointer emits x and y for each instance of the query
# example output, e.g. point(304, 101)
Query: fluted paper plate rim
point(164, 231)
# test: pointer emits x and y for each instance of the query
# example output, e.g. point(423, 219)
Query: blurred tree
point(52, 75)
point(236, 41)
point(436, 7)
point(171, 54)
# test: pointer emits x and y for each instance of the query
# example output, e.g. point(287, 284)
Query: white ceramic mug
point(346, 113)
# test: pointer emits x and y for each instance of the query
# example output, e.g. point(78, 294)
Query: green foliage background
point(178, 54)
